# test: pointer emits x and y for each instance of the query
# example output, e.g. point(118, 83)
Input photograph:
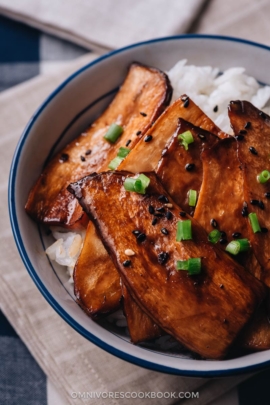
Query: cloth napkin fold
point(71, 362)
point(106, 24)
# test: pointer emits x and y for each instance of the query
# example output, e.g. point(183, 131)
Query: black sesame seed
point(63, 158)
point(138, 133)
point(154, 221)
point(263, 115)
point(223, 234)
point(244, 212)
point(168, 215)
point(148, 138)
point(254, 202)
point(213, 223)
point(136, 232)
point(267, 195)
point(215, 109)
point(160, 209)
point(128, 142)
point(220, 285)
point(127, 263)
point(141, 237)
point(143, 114)
point(151, 209)
point(247, 124)
point(158, 214)
point(88, 152)
point(202, 137)
point(186, 103)
point(163, 257)
point(261, 205)
point(189, 167)
point(223, 241)
point(182, 213)
point(253, 150)
point(242, 132)
point(264, 230)
point(239, 137)
point(164, 231)
point(236, 235)
point(163, 198)
point(82, 158)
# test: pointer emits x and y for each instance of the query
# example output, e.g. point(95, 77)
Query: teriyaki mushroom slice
point(193, 309)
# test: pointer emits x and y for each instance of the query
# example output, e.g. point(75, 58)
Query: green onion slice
point(184, 231)
point(192, 265)
point(138, 184)
point(214, 236)
point(115, 163)
point(192, 198)
point(237, 246)
point(186, 138)
point(253, 219)
point(144, 179)
point(263, 177)
point(113, 133)
point(123, 152)
point(129, 184)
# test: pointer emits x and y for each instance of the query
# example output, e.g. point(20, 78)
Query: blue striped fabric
point(21, 379)
point(22, 382)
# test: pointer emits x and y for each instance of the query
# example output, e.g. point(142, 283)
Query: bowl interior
point(66, 113)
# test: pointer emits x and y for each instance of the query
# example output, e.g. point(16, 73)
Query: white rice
point(66, 249)
point(208, 89)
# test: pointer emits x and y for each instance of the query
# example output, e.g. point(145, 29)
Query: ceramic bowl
point(67, 112)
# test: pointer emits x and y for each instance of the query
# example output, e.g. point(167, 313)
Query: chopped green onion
point(113, 133)
point(123, 152)
point(192, 198)
point(237, 246)
point(186, 138)
point(184, 231)
point(192, 265)
point(214, 236)
point(144, 179)
point(129, 184)
point(138, 185)
point(263, 177)
point(253, 219)
point(115, 163)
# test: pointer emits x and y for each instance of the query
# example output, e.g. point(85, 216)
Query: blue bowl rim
point(27, 262)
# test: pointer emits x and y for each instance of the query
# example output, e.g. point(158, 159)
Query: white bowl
point(67, 112)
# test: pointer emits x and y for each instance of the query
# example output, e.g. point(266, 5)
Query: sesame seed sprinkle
point(148, 138)
point(129, 252)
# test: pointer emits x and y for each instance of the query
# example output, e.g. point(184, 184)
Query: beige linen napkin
point(247, 19)
point(105, 24)
point(71, 362)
